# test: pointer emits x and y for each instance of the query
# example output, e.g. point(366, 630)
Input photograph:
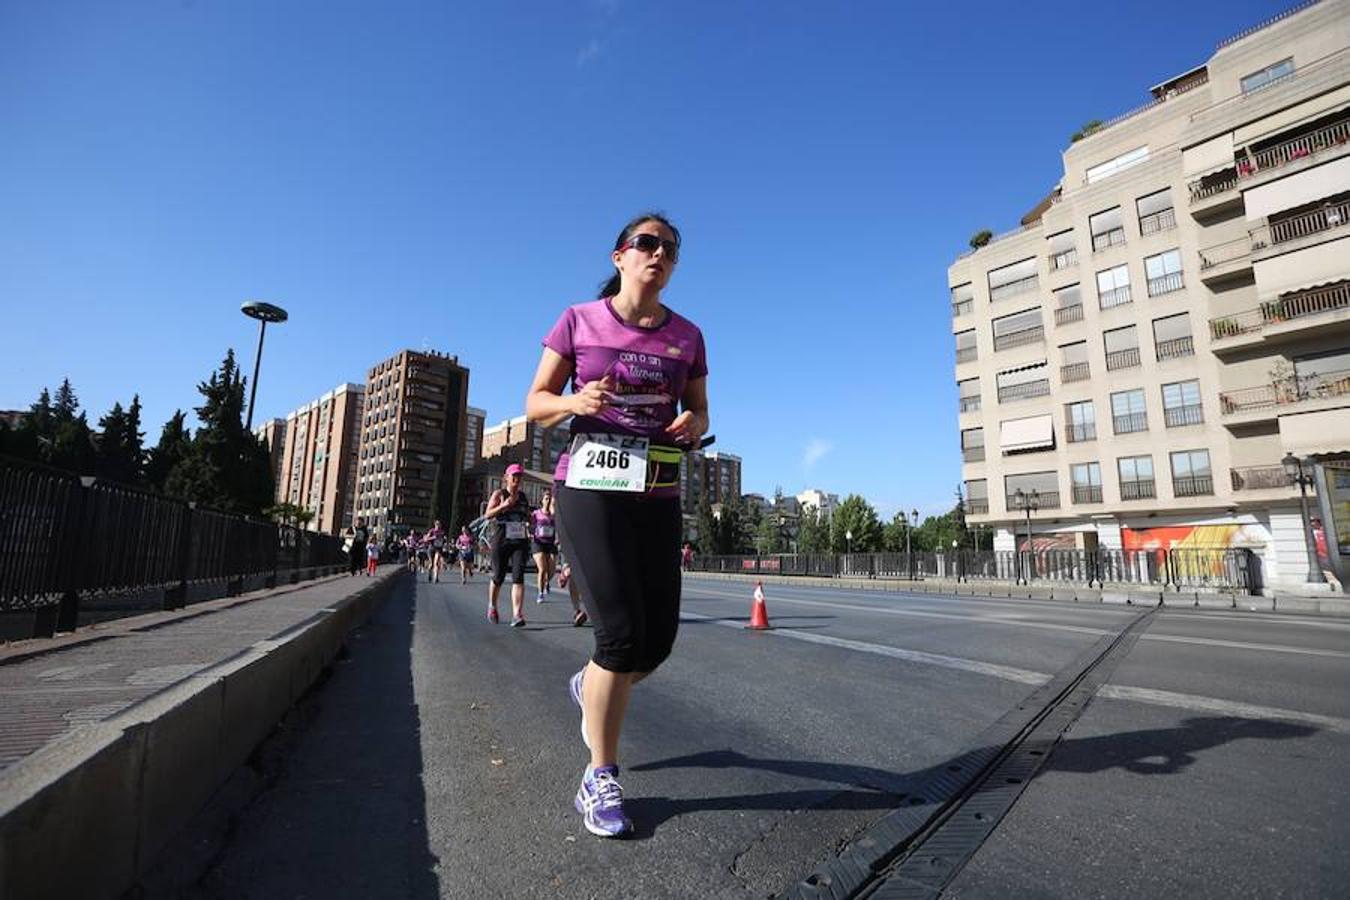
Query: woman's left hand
point(687, 428)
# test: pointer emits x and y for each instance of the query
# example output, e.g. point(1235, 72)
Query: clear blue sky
point(451, 175)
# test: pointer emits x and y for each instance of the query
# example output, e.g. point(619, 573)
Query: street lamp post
point(956, 560)
point(848, 541)
point(1027, 501)
point(914, 521)
point(1293, 467)
point(264, 313)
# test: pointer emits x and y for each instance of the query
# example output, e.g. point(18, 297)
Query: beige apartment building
point(273, 434)
point(1173, 320)
point(412, 442)
point(317, 461)
point(534, 446)
point(474, 420)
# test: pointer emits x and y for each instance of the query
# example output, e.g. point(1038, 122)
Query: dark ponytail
point(610, 286)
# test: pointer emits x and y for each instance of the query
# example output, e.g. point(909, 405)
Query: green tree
point(175, 442)
point(121, 455)
point(730, 535)
point(708, 529)
point(855, 515)
point(67, 405)
point(769, 537)
point(893, 534)
point(288, 513)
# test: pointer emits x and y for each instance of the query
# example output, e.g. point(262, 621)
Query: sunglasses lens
point(647, 243)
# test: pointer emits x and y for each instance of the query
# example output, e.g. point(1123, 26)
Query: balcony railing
point(977, 506)
point(1087, 493)
point(1165, 284)
point(1137, 490)
point(1107, 239)
point(1178, 416)
point(1066, 314)
point(1114, 297)
point(1019, 338)
point(1175, 348)
point(970, 404)
point(1260, 478)
point(1077, 432)
point(1044, 500)
point(1192, 485)
point(1130, 423)
point(1122, 359)
point(964, 308)
point(1238, 248)
point(967, 354)
point(1013, 288)
point(1220, 183)
point(1332, 135)
point(1024, 391)
point(972, 454)
point(1296, 389)
point(1064, 259)
point(1324, 218)
point(1162, 220)
point(1074, 372)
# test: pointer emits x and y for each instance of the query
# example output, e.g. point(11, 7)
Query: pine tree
point(175, 441)
point(67, 404)
point(120, 452)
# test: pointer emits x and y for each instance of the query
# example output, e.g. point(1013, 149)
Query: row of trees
point(744, 528)
point(222, 465)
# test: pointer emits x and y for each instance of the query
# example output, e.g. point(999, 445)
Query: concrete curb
point(1332, 605)
point(84, 816)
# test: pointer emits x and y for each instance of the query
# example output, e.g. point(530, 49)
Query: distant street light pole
point(1027, 501)
point(1293, 467)
point(264, 313)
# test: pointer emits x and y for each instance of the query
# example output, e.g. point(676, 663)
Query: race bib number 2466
point(607, 462)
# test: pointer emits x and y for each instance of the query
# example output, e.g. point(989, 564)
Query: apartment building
point(824, 504)
point(412, 441)
point(721, 476)
point(273, 434)
point(474, 419)
point(1136, 363)
point(534, 446)
point(318, 457)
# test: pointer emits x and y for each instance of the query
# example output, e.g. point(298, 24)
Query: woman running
point(508, 512)
point(437, 540)
point(631, 361)
point(464, 551)
point(543, 543)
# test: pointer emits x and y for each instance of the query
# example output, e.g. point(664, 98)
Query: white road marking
point(1223, 707)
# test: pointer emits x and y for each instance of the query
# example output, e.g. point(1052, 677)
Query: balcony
point(1212, 186)
point(1025, 391)
point(1064, 259)
point(1290, 315)
point(1033, 335)
point(1307, 145)
point(1278, 396)
point(1175, 348)
point(1229, 260)
point(1129, 423)
point(970, 404)
point(977, 506)
point(1122, 359)
point(964, 308)
point(1180, 416)
point(1044, 500)
point(1325, 218)
point(1087, 493)
point(966, 354)
point(972, 454)
point(1013, 288)
point(1074, 372)
point(1077, 432)
point(1114, 297)
point(1066, 314)
point(1108, 239)
point(1137, 490)
point(1192, 485)
point(1260, 478)
point(1165, 284)
point(1162, 220)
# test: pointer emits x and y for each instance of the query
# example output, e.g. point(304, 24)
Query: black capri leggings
point(625, 555)
point(509, 556)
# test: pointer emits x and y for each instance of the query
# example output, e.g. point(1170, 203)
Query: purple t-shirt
point(650, 368)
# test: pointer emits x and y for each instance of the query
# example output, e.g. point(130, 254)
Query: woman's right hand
point(592, 398)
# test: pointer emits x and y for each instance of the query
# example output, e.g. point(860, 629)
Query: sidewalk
point(109, 735)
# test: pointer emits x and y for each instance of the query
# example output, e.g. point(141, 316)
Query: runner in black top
point(509, 530)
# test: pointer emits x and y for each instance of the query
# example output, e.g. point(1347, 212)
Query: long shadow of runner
point(871, 788)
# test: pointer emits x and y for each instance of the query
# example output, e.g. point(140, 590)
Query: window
point(1018, 329)
point(1267, 76)
point(1181, 404)
point(1118, 164)
point(977, 496)
point(1039, 489)
point(1113, 287)
point(1128, 412)
point(969, 391)
point(1080, 421)
point(1122, 347)
point(963, 300)
point(1108, 229)
point(1156, 213)
point(965, 346)
point(1063, 251)
point(1190, 473)
point(1164, 273)
point(1136, 477)
point(1074, 362)
point(1087, 482)
point(1010, 280)
point(1172, 337)
point(1068, 302)
point(1024, 382)
point(972, 444)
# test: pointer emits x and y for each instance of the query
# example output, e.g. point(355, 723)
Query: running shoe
point(492, 615)
point(574, 689)
point(540, 598)
point(579, 618)
point(518, 622)
point(600, 802)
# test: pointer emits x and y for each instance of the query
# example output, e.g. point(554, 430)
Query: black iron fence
point(67, 542)
point(1219, 568)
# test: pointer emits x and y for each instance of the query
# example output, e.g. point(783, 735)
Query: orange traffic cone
point(759, 614)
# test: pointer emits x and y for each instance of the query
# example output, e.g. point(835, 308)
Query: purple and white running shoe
point(574, 688)
point(600, 802)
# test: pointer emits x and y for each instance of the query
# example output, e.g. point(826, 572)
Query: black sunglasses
point(647, 243)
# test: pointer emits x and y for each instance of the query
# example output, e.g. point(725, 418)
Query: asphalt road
point(441, 757)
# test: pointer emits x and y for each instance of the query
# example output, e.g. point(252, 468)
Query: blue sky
point(451, 176)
